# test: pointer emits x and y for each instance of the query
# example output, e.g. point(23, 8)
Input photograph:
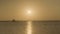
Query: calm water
point(33, 28)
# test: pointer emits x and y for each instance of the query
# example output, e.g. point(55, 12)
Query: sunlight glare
point(29, 27)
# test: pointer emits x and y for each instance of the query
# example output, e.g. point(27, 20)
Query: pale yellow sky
point(40, 9)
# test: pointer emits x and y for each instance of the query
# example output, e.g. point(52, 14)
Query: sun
point(28, 14)
point(29, 11)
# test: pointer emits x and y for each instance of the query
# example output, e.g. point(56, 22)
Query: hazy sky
point(40, 9)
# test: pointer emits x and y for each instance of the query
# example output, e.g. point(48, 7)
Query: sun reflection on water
point(29, 27)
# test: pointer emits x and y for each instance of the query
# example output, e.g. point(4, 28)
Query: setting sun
point(29, 12)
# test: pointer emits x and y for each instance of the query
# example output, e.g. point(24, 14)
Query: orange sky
point(40, 9)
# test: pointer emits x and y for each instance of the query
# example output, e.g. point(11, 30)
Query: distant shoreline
point(34, 21)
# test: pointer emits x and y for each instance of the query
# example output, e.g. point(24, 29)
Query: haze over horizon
point(40, 9)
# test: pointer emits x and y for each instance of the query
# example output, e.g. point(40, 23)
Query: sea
point(30, 27)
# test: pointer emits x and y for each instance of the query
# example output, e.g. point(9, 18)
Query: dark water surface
point(37, 27)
